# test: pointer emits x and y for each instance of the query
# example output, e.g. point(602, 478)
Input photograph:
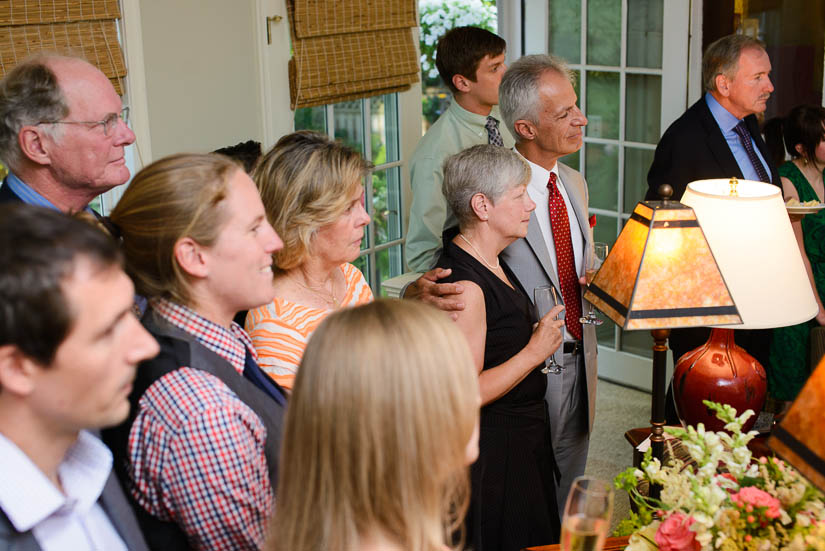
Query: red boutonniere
point(592, 220)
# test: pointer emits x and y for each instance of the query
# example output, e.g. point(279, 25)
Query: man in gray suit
point(538, 104)
point(69, 349)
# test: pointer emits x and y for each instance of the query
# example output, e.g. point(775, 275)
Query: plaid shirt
point(197, 451)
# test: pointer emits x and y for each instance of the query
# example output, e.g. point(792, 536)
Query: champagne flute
point(592, 264)
point(546, 299)
point(586, 515)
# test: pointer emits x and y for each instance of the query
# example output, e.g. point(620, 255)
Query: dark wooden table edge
point(611, 544)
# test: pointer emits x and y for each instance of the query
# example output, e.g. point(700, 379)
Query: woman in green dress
point(803, 131)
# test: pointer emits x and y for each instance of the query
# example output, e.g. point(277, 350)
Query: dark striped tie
point(747, 143)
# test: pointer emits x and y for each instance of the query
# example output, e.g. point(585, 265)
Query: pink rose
point(751, 495)
point(674, 534)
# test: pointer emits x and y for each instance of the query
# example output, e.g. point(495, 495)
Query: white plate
point(805, 209)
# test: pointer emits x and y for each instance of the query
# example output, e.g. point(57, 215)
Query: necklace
point(327, 295)
point(481, 256)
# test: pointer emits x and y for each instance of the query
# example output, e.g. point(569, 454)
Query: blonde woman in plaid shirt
point(199, 452)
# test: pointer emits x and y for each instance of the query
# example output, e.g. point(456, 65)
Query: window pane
point(389, 264)
point(386, 205)
point(644, 33)
point(636, 164)
point(384, 128)
point(643, 108)
point(602, 174)
point(605, 230)
point(565, 30)
point(363, 264)
point(349, 123)
point(572, 160)
point(604, 32)
point(606, 332)
point(311, 118)
point(638, 342)
point(602, 105)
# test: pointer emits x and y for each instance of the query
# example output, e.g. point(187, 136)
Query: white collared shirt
point(538, 192)
point(59, 521)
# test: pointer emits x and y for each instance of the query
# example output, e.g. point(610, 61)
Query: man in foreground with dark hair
point(470, 60)
point(69, 349)
point(63, 132)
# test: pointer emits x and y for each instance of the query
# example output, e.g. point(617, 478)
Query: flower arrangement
point(727, 501)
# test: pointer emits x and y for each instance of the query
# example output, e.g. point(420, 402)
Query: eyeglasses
point(109, 123)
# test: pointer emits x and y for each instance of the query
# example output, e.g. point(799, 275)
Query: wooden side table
point(758, 446)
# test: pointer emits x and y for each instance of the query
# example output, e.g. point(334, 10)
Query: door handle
point(269, 21)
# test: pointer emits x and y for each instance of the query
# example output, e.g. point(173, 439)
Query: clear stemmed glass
point(586, 515)
point(546, 299)
point(593, 263)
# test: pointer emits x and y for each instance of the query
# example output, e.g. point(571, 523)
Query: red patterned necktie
point(566, 262)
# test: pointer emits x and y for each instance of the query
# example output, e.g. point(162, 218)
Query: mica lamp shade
point(799, 438)
point(662, 274)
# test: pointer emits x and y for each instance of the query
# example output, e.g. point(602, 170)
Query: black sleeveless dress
point(513, 502)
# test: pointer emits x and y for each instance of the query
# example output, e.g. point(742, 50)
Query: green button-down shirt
point(455, 130)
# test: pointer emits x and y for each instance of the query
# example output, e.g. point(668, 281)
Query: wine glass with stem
point(586, 515)
point(592, 264)
point(546, 299)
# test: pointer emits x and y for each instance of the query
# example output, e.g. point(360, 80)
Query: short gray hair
point(29, 94)
point(487, 169)
point(518, 93)
point(722, 57)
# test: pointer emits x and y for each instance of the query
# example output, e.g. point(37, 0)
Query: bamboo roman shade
point(84, 28)
point(345, 50)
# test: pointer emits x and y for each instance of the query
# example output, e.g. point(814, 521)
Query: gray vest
point(178, 348)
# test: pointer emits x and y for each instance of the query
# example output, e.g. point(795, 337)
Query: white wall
point(201, 74)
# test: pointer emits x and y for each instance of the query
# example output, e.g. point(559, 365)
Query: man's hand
point(444, 296)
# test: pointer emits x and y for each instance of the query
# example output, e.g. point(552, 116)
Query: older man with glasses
point(63, 131)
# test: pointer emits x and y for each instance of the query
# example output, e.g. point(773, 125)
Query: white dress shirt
point(538, 192)
point(60, 521)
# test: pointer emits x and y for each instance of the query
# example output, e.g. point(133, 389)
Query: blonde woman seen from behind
point(312, 189)
point(382, 424)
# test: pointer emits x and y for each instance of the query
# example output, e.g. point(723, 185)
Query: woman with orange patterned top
point(312, 190)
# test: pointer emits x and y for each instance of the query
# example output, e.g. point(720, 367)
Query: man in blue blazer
point(703, 143)
point(718, 137)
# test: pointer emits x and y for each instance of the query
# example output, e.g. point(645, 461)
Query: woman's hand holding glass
point(547, 335)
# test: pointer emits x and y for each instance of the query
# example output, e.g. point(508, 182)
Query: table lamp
point(661, 274)
point(747, 227)
point(799, 438)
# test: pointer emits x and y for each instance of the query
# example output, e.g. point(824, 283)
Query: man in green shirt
point(470, 60)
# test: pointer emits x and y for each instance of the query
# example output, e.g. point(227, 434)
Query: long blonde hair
point(383, 408)
point(177, 196)
point(306, 181)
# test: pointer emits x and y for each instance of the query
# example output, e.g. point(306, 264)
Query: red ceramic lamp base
point(719, 371)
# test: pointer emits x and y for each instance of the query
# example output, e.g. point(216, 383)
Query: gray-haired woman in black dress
point(514, 499)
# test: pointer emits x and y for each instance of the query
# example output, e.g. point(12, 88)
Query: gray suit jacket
point(530, 261)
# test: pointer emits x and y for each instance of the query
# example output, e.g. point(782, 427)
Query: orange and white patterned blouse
point(280, 330)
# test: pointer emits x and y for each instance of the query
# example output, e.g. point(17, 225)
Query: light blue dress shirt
point(26, 193)
point(726, 123)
